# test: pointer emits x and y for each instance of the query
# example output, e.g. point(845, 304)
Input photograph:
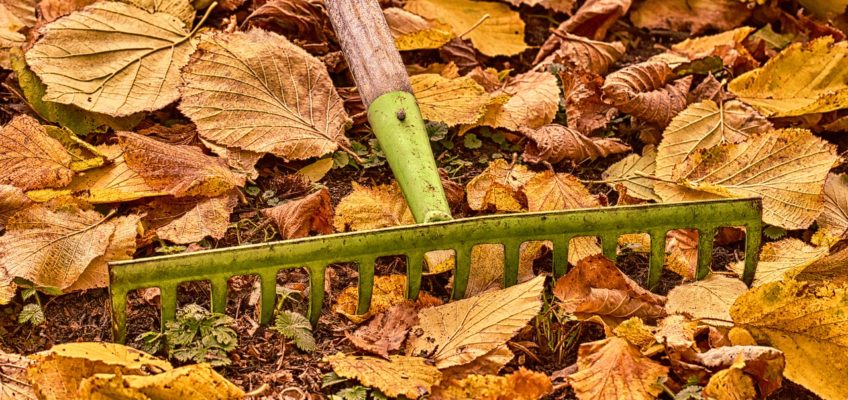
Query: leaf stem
point(202, 20)
point(475, 26)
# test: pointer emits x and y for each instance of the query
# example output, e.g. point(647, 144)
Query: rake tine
point(119, 315)
point(414, 266)
point(219, 295)
point(705, 252)
point(462, 266)
point(560, 255)
point(268, 293)
point(316, 292)
point(366, 283)
point(512, 251)
point(609, 244)
point(753, 235)
point(657, 257)
point(168, 299)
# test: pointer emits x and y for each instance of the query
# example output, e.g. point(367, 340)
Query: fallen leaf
point(387, 331)
point(596, 287)
point(831, 268)
point(122, 246)
point(405, 376)
point(51, 10)
point(740, 337)
point(388, 291)
point(240, 161)
point(584, 108)
point(636, 332)
point(372, 208)
point(681, 248)
point(12, 200)
point(182, 9)
point(138, 54)
point(498, 186)
point(561, 6)
point(452, 101)
point(191, 219)
point(556, 143)
point(412, 32)
point(726, 45)
point(533, 102)
point(709, 299)
point(694, 16)
point(299, 217)
point(644, 91)
point(461, 331)
point(15, 17)
point(490, 363)
point(519, 385)
point(819, 71)
point(764, 363)
point(296, 115)
point(56, 373)
point(502, 34)
point(198, 381)
point(613, 369)
point(176, 169)
point(781, 260)
point(677, 333)
point(30, 159)
point(834, 216)
point(786, 167)
point(591, 20)
point(633, 172)
point(317, 170)
point(731, 384)
point(807, 322)
point(583, 54)
point(303, 19)
point(14, 384)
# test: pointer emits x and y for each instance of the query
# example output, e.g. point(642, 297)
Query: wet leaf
point(694, 16)
point(461, 331)
point(500, 34)
point(399, 376)
point(519, 385)
point(412, 32)
point(375, 207)
point(591, 20)
point(295, 111)
point(191, 219)
point(646, 90)
point(556, 143)
point(30, 159)
point(387, 331)
point(498, 186)
point(190, 381)
point(452, 101)
point(708, 299)
point(819, 71)
point(631, 172)
point(781, 260)
point(299, 217)
point(138, 54)
point(613, 369)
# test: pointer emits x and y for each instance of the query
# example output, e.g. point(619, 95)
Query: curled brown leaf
point(556, 143)
point(643, 91)
point(296, 218)
point(592, 21)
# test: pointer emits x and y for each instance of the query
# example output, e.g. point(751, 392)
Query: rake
point(396, 121)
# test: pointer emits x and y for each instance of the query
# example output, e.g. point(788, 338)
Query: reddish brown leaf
point(302, 19)
point(581, 92)
point(556, 143)
point(189, 220)
point(592, 21)
point(694, 16)
point(580, 53)
point(387, 331)
point(642, 90)
point(297, 218)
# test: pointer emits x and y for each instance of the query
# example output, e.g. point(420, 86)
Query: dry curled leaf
point(532, 101)
point(709, 298)
point(580, 53)
point(405, 376)
point(375, 207)
point(783, 259)
point(556, 143)
point(498, 186)
point(613, 369)
point(293, 107)
point(197, 381)
point(633, 173)
point(303, 19)
point(584, 108)
point(177, 169)
point(30, 159)
point(387, 331)
point(694, 16)
point(644, 91)
point(519, 385)
point(191, 219)
point(297, 218)
point(138, 57)
point(412, 32)
point(452, 101)
point(591, 20)
point(461, 331)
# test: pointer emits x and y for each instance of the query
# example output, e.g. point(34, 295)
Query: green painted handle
point(397, 122)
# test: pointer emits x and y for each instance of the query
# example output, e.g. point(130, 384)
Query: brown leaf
point(405, 376)
point(681, 249)
point(764, 363)
point(30, 159)
point(387, 331)
point(490, 363)
point(302, 19)
point(461, 53)
point(174, 134)
point(592, 21)
point(644, 91)
point(375, 207)
point(533, 99)
point(190, 219)
point(176, 169)
point(14, 384)
point(52, 10)
point(562, 6)
point(832, 268)
point(581, 54)
point(694, 16)
point(584, 108)
point(709, 298)
point(519, 385)
point(596, 287)
point(498, 186)
point(612, 369)
point(556, 143)
point(122, 246)
point(240, 161)
point(297, 218)
point(726, 45)
point(834, 216)
point(12, 200)
point(730, 384)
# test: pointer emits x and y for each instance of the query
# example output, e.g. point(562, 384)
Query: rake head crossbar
point(363, 248)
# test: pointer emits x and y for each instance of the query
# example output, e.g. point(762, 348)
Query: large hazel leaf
point(30, 159)
point(631, 173)
point(257, 91)
point(112, 58)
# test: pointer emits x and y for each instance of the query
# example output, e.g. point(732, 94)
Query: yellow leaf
point(388, 291)
point(177, 169)
point(198, 381)
point(502, 34)
point(371, 208)
point(695, 16)
point(138, 57)
point(556, 143)
point(831, 268)
point(786, 167)
point(412, 32)
point(317, 170)
point(405, 376)
point(293, 107)
point(731, 384)
point(807, 322)
point(834, 216)
point(299, 217)
point(497, 186)
point(533, 99)
point(57, 373)
point(708, 299)
point(819, 71)
point(612, 369)
point(635, 332)
point(630, 172)
point(727, 45)
point(781, 260)
point(182, 9)
point(12, 200)
point(681, 248)
point(30, 159)
point(461, 331)
point(519, 385)
point(190, 219)
point(452, 101)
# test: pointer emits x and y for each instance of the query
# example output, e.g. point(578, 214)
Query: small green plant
point(33, 313)
point(291, 325)
point(196, 335)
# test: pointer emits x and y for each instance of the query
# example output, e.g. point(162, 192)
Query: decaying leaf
point(12, 200)
point(190, 219)
point(563, 6)
point(644, 91)
point(387, 331)
point(294, 109)
point(452, 101)
point(405, 376)
point(240, 161)
point(834, 216)
point(461, 331)
point(412, 32)
point(807, 323)
point(633, 173)
point(30, 159)
point(786, 167)
point(580, 53)
point(731, 384)
point(296, 218)
point(533, 99)
point(498, 186)
point(726, 45)
point(782, 260)
point(766, 364)
point(818, 70)
point(371, 208)
point(708, 299)
point(500, 34)
point(613, 369)
point(582, 98)
point(13, 381)
point(302, 19)
point(596, 287)
point(694, 16)
point(197, 381)
point(556, 143)
point(591, 20)
point(519, 385)
point(138, 54)
point(388, 291)
point(177, 169)
point(681, 248)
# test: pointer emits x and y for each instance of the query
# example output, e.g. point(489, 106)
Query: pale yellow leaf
point(500, 34)
point(317, 170)
point(519, 385)
point(136, 56)
point(631, 172)
point(709, 299)
point(834, 216)
point(182, 9)
point(365, 207)
point(461, 331)
point(781, 260)
point(197, 381)
point(261, 77)
point(497, 186)
point(412, 32)
point(533, 99)
point(405, 376)
point(613, 369)
point(452, 101)
point(190, 219)
point(556, 143)
point(30, 159)
point(12, 200)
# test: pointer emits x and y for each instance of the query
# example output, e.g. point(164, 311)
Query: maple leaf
point(556, 143)
point(591, 20)
point(461, 331)
point(138, 54)
point(294, 109)
point(709, 298)
point(783, 259)
point(405, 376)
point(412, 32)
point(644, 91)
point(694, 16)
point(387, 331)
point(30, 159)
point(613, 369)
point(190, 219)
point(190, 381)
point(498, 186)
point(819, 72)
point(452, 101)
point(633, 172)
point(297, 218)
point(500, 34)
